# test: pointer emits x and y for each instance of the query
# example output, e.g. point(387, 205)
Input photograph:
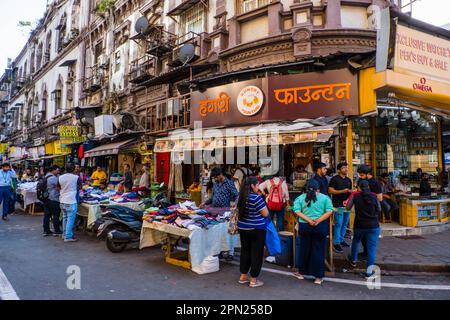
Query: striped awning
point(108, 149)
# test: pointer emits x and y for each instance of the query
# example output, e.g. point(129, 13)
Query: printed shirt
point(223, 194)
point(6, 178)
point(253, 218)
point(316, 209)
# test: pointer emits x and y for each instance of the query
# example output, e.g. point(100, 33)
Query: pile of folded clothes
point(187, 215)
point(91, 195)
point(126, 197)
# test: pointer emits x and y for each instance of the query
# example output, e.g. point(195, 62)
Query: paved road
point(36, 268)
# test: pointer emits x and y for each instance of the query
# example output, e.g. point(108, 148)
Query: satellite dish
point(187, 52)
point(141, 25)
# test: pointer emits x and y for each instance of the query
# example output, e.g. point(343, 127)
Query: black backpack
point(42, 190)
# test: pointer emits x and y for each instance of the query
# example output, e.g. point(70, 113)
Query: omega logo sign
point(422, 86)
point(250, 101)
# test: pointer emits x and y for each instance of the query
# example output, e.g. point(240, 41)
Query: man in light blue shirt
point(6, 179)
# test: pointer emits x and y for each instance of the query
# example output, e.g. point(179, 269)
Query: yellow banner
point(3, 147)
point(59, 149)
point(68, 131)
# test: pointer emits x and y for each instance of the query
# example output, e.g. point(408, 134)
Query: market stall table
point(92, 212)
point(203, 242)
point(29, 194)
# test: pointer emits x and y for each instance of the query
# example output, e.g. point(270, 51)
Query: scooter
point(122, 226)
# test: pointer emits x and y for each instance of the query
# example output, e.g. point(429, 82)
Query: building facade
point(139, 60)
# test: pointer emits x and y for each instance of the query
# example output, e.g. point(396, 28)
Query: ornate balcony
point(142, 69)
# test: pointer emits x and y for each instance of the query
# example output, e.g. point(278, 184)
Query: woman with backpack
point(313, 210)
point(252, 229)
point(277, 198)
point(366, 225)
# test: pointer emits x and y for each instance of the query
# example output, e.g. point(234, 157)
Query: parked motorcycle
point(122, 226)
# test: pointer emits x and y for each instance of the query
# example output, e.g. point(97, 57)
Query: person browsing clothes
point(224, 192)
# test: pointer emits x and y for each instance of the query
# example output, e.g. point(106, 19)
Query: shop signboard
point(278, 98)
point(422, 54)
point(68, 131)
point(59, 149)
point(3, 148)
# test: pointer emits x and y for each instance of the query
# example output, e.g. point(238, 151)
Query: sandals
point(244, 281)
point(299, 276)
point(256, 284)
point(318, 281)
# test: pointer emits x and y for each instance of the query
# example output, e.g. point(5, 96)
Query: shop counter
point(415, 212)
point(203, 242)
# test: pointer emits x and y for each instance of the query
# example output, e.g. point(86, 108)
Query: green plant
point(104, 5)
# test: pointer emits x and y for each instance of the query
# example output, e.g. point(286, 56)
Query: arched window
point(57, 96)
point(62, 28)
point(39, 56)
point(32, 62)
point(34, 111)
point(44, 104)
point(48, 48)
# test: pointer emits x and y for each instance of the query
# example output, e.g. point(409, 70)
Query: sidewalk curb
point(402, 267)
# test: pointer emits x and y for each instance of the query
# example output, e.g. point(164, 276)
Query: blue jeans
point(341, 219)
point(69, 214)
point(280, 218)
point(5, 197)
point(371, 236)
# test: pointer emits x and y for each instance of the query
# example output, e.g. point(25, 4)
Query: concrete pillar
point(275, 18)
point(333, 14)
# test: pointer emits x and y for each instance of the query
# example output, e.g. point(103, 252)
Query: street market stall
point(93, 199)
point(29, 194)
point(206, 229)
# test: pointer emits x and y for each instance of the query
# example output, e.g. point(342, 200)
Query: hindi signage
point(278, 98)
point(422, 53)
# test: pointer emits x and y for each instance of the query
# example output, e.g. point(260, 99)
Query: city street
point(36, 269)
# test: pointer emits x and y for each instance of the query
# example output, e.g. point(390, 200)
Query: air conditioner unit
point(103, 125)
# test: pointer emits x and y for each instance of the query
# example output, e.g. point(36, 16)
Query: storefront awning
point(108, 149)
point(264, 134)
point(53, 156)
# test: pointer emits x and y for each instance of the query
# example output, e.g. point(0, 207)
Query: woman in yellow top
point(98, 177)
point(27, 175)
point(195, 187)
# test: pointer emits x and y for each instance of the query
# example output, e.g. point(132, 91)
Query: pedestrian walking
point(6, 180)
point(340, 188)
point(313, 210)
point(366, 225)
point(69, 186)
point(252, 230)
point(52, 208)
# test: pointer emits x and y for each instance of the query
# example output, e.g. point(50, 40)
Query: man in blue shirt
point(224, 191)
point(321, 177)
point(6, 179)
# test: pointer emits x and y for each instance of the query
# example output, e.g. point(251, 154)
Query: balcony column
point(235, 33)
point(274, 10)
point(333, 14)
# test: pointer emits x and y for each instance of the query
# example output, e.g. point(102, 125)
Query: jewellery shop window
point(406, 141)
point(362, 143)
